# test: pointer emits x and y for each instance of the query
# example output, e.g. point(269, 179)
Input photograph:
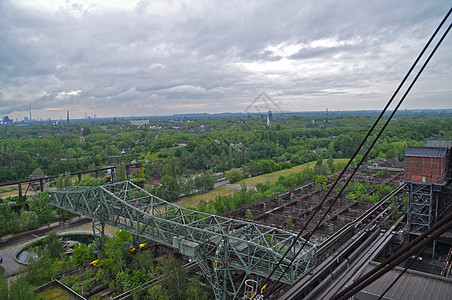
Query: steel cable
point(357, 151)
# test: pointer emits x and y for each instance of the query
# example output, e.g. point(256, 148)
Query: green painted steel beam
point(220, 245)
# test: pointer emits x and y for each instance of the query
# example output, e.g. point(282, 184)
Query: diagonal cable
point(402, 254)
point(400, 275)
point(378, 136)
point(359, 148)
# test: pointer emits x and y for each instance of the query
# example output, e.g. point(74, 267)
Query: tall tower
point(29, 108)
point(269, 117)
point(68, 117)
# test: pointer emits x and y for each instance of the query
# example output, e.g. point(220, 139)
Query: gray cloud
point(158, 57)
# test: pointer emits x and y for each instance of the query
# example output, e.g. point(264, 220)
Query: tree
point(205, 181)
point(234, 175)
point(86, 131)
point(170, 188)
point(18, 288)
point(6, 219)
point(60, 182)
point(28, 220)
point(318, 163)
point(320, 181)
point(156, 292)
point(170, 168)
point(289, 223)
point(248, 214)
point(120, 174)
point(144, 259)
point(123, 281)
point(195, 290)
point(64, 214)
point(54, 244)
point(383, 174)
point(267, 165)
point(41, 206)
point(40, 268)
point(140, 276)
point(174, 277)
point(116, 249)
point(82, 253)
point(67, 179)
point(330, 162)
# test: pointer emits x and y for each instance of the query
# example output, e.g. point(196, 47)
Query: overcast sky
point(141, 58)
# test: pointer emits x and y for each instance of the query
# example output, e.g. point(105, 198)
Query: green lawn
point(273, 177)
point(253, 181)
point(54, 293)
point(195, 199)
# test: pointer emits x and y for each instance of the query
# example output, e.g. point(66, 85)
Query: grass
point(219, 190)
point(54, 293)
point(10, 191)
point(273, 177)
point(253, 181)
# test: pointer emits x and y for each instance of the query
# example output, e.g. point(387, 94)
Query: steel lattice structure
point(221, 246)
point(423, 207)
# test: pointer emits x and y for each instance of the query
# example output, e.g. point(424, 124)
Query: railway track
point(343, 253)
point(369, 218)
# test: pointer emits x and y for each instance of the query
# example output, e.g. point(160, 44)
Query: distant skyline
point(145, 58)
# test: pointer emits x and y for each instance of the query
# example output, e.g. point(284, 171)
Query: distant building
point(204, 127)
point(269, 117)
point(139, 122)
point(7, 120)
point(444, 144)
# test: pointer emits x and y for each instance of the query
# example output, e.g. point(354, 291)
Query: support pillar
point(99, 233)
point(136, 241)
point(423, 208)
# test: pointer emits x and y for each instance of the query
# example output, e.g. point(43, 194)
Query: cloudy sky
point(141, 58)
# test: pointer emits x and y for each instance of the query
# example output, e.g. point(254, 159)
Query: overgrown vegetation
point(118, 269)
point(222, 204)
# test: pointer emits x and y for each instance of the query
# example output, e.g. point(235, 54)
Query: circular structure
point(25, 253)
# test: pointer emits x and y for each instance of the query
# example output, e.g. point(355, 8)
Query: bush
point(234, 175)
point(383, 174)
point(82, 253)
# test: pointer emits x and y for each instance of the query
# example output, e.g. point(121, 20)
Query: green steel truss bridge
point(223, 248)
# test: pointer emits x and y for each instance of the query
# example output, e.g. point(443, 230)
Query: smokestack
point(68, 117)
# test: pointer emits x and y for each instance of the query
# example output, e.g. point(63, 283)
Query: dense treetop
point(214, 143)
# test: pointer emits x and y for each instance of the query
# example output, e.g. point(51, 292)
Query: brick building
point(426, 165)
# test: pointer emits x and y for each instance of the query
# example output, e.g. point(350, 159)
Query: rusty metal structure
point(427, 173)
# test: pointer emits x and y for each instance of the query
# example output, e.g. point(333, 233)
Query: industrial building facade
point(427, 173)
point(426, 165)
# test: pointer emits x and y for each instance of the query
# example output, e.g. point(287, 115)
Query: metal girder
point(221, 246)
point(422, 208)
